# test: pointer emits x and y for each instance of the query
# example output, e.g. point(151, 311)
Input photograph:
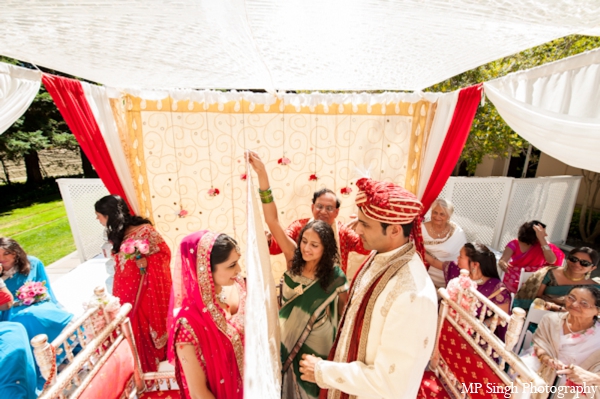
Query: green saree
point(308, 320)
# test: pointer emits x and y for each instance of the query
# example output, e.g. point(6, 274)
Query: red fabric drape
point(71, 102)
point(468, 100)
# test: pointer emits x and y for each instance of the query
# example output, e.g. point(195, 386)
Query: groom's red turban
point(389, 203)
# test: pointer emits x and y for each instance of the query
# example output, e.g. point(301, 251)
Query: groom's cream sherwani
point(385, 343)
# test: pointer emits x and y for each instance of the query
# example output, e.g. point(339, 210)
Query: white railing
point(491, 209)
point(79, 196)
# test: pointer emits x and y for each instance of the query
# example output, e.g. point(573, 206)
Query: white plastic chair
point(533, 316)
point(523, 277)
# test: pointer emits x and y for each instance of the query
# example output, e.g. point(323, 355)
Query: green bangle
point(266, 200)
point(265, 193)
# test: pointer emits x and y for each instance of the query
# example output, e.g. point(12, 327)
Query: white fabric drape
point(18, 87)
point(98, 99)
point(556, 107)
point(281, 45)
point(262, 372)
point(443, 117)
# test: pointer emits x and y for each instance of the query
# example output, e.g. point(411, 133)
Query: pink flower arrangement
point(243, 177)
point(346, 191)
point(32, 292)
point(182, 213)
point(313, 177)
point(455, 286)
point(135, 249)
point(284, 161)
point(213, 192)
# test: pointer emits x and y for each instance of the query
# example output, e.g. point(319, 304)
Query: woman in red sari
point(529, 252)
point(144, 282)
point(206, 337)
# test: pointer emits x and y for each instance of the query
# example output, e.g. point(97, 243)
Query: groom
point(388, 329)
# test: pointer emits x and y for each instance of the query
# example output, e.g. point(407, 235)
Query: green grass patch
point(42, 229)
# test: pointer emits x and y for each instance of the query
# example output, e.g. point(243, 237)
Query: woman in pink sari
point(529, 252)
point(206, 337)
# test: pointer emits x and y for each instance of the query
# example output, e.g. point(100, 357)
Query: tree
point(490, 135)
point(41, 127)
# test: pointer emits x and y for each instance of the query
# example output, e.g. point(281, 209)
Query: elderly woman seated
point(568, 343)
point(442, 238)
point(529, 252)
point(553, 283)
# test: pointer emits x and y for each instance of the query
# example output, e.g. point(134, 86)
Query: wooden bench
point(469, 360)
point(99, 357)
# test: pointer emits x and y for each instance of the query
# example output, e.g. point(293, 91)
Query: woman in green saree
point(552, 284)
point(314, 291)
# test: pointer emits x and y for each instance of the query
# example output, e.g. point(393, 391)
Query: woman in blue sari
point(17, 369)
point(47, 317)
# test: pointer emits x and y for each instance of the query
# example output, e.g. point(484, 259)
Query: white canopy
point(275, 44)
point(556, 107)
point(18, 87)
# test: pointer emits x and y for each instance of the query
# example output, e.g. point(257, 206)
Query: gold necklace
point(566, 274)
point(442, 234)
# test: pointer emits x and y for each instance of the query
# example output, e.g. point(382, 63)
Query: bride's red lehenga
point(200, 321)
point(148, 294)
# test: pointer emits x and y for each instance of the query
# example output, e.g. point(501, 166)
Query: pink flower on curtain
point(182, 213)
point(313, 177)
point(213, 192)
point(243, 177)
point(346, 191)
point(284, 161)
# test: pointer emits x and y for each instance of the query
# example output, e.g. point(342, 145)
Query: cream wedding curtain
point(262, 378)
point(556, 107)
point(185, 150)
point(18, 87)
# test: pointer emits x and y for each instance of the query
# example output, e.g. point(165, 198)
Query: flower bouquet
point(135, 249)
point(461, 284)
point(32, 292)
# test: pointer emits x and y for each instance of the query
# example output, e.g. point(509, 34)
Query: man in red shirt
point(326, 207)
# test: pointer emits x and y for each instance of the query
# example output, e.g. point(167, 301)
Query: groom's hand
point(307, 367)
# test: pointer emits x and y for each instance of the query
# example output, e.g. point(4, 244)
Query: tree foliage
point(41, 127)
point(490, 135)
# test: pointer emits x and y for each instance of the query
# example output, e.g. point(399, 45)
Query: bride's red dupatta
point(220, 341)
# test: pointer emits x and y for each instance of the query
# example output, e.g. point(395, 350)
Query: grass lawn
point(42, 229)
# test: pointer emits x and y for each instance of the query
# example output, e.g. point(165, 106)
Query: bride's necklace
point(221, 296)
point(566, 274)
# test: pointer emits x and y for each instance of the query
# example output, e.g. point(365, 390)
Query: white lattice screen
point(491, 209)
point(79, 196)
point(548, 199)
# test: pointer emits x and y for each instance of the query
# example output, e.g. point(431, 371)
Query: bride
point(206, 337)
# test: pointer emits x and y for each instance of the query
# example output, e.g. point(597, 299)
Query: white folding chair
point(522, 278)
point(533, 316)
